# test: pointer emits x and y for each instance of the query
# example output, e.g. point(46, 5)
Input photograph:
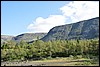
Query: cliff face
point(86, 29)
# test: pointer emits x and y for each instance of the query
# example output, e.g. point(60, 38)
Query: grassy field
point(67, 61)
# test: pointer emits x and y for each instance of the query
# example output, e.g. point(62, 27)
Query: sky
point(19, 17)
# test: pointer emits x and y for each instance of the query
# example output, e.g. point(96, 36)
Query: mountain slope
point(28, 37)
point(5, 38)
point(86, 29)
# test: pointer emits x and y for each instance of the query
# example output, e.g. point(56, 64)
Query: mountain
point(5, 38)
point(25, 37)
point(86, 29)
point(28, 37)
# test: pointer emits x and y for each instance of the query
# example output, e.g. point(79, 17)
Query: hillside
point(86, 29)
point(25, 37)
point(28, 37)
point(5, 38)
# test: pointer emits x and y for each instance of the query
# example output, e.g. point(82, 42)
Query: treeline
point(39, 49)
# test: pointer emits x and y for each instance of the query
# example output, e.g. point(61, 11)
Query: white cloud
point(81, 10)
point(44, 25)
point(72, 12)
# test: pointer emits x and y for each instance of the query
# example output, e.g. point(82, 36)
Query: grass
point(59, 61)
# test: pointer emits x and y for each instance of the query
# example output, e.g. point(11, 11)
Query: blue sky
point(16, 15)
point(19, 17)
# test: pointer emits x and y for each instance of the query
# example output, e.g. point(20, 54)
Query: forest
point(39, 49)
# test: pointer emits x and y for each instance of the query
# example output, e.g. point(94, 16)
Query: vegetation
point(58, 61)
point(51, 49)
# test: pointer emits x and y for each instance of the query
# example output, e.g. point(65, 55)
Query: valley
point(68, 45)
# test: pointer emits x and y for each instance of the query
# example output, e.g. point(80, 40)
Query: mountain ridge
point(85, 29)
point(24, 36)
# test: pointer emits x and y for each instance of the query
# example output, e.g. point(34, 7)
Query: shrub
point(87, 63)
point(49, 57)
point(71, 56)
point(78, 57)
